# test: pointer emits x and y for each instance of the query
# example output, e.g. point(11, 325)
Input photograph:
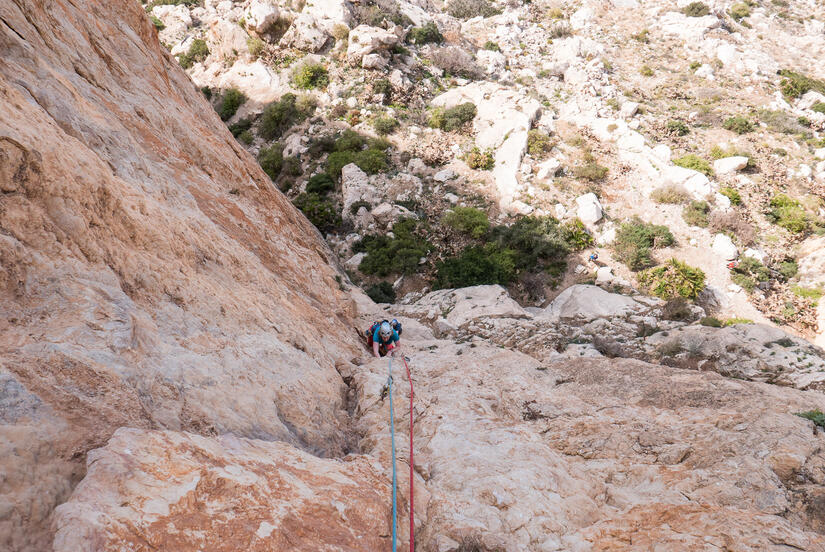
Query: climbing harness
point(412, 465)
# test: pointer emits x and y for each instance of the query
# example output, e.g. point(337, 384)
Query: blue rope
point(394, 479)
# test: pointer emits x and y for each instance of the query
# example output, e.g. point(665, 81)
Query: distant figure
point(593, 257)
point(733, 264)
point(384, 337)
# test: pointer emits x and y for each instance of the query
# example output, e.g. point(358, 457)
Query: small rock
point(580, 269)
point(604, 275)
point(754, 254)
point(452, 198)
point(728, 165)
point(373, 61)
point(724, 247)
point(820, 153)
point(444, 175)
point(628, 109)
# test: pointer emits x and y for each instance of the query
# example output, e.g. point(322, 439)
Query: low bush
point(538, 143)
point(748, 273)
point(349, 140)
point(738, 124)
point(711, 321)
point(808, 293)
point(788, 269)
point(732, 194)
point(480, 160)
point(673, 279)
point(670, 194)
point(310, 75)
point(278, 117)
point(456, 61)
point(271, 160)
point(591, 170)
point(734, 321)
point(382, 86)
point(320, 210)
point(635, 239)
point(371, 161)
point(292, 167)
point(426, 34)
point(695, 213)
point(467, 9)
point(646, 71)
point(694, 162)
point(453, 118)
point(679, 128)
point(400, 253)
point(492, 46)
point(818, 107)
point(382, 292)
point(540, 242)
point(696, 9)
point(198, 51)
point(385, 125)
point(157, 23)
point(468, 220)
point(816, 416)
point(560, 29)
point(340, 32)
point(779, 121)
point(232, 100)
point(642, 36)
point(794, 85)
point(246, 137)
point(256, 46)
point(739, 11)
point(729, 222)
point(240, 127)
point(320, 184)
point(788, 213)
point(477, 265)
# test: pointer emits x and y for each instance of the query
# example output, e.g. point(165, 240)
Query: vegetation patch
point(788, 213)
point(467, 9)
point(349, 148)
point(468, 220)
point(591, 170)
point(426, 34)
point(711, 321)
point(271, 160)
point(670, 194)
point(673, 279)
point(232, 100)
point(738, 124)
point(794, 85)
point(696, 9)
point(695, 213)
point(748, 273)
point(635, 240)
point(477, 265)
point(739, 11)
point(279, 116)
point(385, 125)
point(678, 128)
point(453, 118)
point(816, 416)
point(480, 160)
point(382, 292)
point(198, 51)
point(694, 162)
point(310, 75)
point(399, 254)
point(538, 143)
point(320, 210)
point(732, 194)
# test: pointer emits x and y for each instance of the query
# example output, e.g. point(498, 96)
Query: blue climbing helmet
point(385, 330)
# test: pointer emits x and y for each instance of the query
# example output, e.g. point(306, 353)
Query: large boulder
point(226, 39)
point(364, 40)
point(261, 15)
point(729, 165)
point(585, 302)
point(306, 34)
point(355, 188)
point(723, 246)
point(588, 208)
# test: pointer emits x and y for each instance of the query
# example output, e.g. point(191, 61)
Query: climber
point(383, 338)
point(593, 257)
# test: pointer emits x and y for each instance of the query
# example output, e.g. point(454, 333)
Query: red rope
point(412, 507)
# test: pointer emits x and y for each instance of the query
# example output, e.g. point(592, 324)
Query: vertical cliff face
point(152, 277)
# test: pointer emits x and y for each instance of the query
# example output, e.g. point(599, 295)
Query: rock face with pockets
point(136, 290)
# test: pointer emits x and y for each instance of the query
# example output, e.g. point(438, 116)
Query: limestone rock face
point(364, 40)
point(136, 290)
point(255, 495)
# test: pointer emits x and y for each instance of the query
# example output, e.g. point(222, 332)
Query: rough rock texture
point(152, 276)
point(163, 490)
point(598, 454)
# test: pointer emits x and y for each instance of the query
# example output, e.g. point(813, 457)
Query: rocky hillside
point(703, 118)
point(179, 367)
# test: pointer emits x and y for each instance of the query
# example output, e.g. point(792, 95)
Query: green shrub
point(468, 220)
point(371, 161)
point(539, 242)
point(256, 46)
point(642, 36)
point(694, 65)
point(271, 160)
point(319, 210)
point(427, 34)
point(673, 279)
point(340, 32)
point(207, 92)
point(538, 143)
point(696, 9)
point(310, 75)
point(591, 170)
point(788, 213)
point(382, 86)
point(807, 293)
point(349, 140)
point(191, 3)
point(492, 46)
point(738, 124)
point(382, 292)
point(692, 161)
point(467, 9)
point(645, 71)
point(739, 11)
point(278, 116)
point(157, 23)
point(794, 84)
point(240, 127)
point(816, 416)
point(292, 167)
point(476, 265)
point(232, 100)
point(392, 255)
point(788, 269)
point(779, 121)
point(732, 194)
point(320, 184)
point(749, 272)
point(576, 235)
point(198, 51)
point(481, 160)
point(734, 321)
point(818, 107)
point(385, 125)
point(453, 118)
point(679, 128)
point(670, 194)
point(635, 239)
point(246, 137)
point(711, 321)
point(695, 213)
